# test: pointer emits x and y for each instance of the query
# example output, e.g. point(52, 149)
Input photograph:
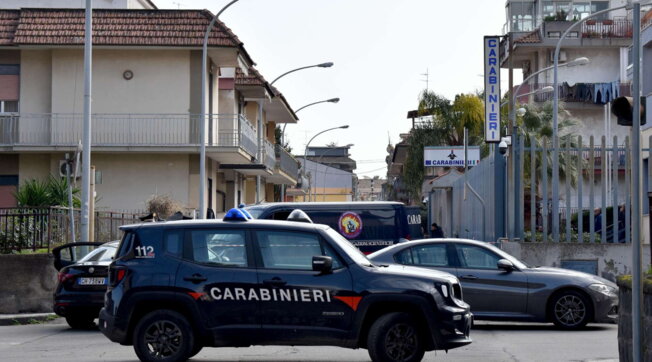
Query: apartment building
point(146, 107)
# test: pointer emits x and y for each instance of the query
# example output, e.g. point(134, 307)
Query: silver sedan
point(500, 287)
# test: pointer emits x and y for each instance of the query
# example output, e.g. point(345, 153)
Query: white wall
point(604, 66)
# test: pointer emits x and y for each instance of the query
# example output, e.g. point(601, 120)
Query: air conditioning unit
point(62, 169)
point(562, 56)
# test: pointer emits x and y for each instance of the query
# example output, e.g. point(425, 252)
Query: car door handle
point(276, 282)
point(468, 277)
point(195, 278)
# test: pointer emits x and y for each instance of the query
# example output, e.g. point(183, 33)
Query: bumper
point(116, 332)
point(606, 308)
point(65, 305)
point(454, 328)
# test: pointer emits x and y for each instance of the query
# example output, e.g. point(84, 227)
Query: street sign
point(452, 156)
point(491, 89)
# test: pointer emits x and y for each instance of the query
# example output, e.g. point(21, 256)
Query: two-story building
point(146, 109)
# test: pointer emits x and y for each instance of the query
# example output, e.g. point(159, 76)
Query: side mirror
point(506, 265)
point(322, 264)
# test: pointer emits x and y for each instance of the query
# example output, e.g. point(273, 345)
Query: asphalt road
point(55, 341)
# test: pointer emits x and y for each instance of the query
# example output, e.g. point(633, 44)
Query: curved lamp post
point(202, 123)
point(636, 163)
point(332, 100)
point(308, 145)
point(320, 65)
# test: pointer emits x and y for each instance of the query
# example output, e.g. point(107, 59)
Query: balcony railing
point(286, 162)
point(607, 28)
point(126, 130)
point(596, 93)
point(269, 157)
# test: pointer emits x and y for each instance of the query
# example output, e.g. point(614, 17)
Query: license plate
point(92, 281)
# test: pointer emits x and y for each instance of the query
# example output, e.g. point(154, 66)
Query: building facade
point(146, 106)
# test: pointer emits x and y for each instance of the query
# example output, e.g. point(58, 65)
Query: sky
point(381, 50)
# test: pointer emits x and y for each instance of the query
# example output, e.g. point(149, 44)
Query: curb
point(18, 319)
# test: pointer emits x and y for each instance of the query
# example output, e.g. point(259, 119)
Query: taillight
point(64, 277)
point(408, 237)
point(116, 274)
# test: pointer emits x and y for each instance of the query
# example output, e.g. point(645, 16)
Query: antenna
point(178, 4)
point(426, 74)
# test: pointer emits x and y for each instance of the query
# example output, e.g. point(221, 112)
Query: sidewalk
point(25, 318)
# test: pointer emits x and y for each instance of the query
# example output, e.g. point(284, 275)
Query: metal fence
point(45, 228)
point(594, 193)
point(594, 190)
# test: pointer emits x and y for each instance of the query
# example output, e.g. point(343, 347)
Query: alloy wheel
point(570, 310)
point(163, 339)
point(401, 342)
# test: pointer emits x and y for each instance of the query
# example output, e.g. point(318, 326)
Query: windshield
point(101, 254)
point(350, 249)
point(255, 211)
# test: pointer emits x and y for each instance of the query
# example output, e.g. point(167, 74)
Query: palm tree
point(446, 128)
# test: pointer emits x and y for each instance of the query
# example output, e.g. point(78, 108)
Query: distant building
point(370, 189)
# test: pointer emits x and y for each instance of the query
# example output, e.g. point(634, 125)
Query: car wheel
point(164, 336)
point(81, 321)
point(394, 337)
point(570, 310)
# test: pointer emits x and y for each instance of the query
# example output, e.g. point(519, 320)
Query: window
point(430, 255)
point(556, 10)
point(404, 257)
point(581, 10)
point(219, 247)
point(599, 6)
point(173, 241)
point(522, 16)
point(292, 250)
point(8, 106)
point(475, 257)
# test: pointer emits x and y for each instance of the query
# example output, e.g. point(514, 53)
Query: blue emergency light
point(236, 214)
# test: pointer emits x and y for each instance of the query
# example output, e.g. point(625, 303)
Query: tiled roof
point(122, 27)
point(8, 24)
point(253, 78)
point(533, 37)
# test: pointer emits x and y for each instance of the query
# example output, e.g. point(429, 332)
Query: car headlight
point(603, 289)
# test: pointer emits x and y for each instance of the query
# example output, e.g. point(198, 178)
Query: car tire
point(163, 336)
point(395, 337)
point(570, 309)
point(196, 349)
point(81, 321)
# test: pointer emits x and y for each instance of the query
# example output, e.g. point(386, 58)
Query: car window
point(173, 241)
point(292, 250)
point(475, 257)
point(101, 254)
point(218, 247)
point(430, 255)
point(404, 257)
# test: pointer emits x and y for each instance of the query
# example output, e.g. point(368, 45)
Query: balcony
point(128, 132)
point(286, 170)
point(591, 93)
point(601, 29)
point(269, 156)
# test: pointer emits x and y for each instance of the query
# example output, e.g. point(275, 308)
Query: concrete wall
point(30, 285)
point(36, 81)
point(613, 259)
point(161, 81)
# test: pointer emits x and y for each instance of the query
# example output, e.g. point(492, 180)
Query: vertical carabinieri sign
point(491, 89)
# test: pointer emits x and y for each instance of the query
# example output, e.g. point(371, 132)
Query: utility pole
point(86, 147)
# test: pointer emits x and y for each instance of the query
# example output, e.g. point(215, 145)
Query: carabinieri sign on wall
point(491, 89)
point(452, 156)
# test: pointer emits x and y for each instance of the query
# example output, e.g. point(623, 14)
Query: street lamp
point(320, 65)
point(202, 123)
point(332, 100)
point(636, 162)
point(308, 145)
point(512, 228)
